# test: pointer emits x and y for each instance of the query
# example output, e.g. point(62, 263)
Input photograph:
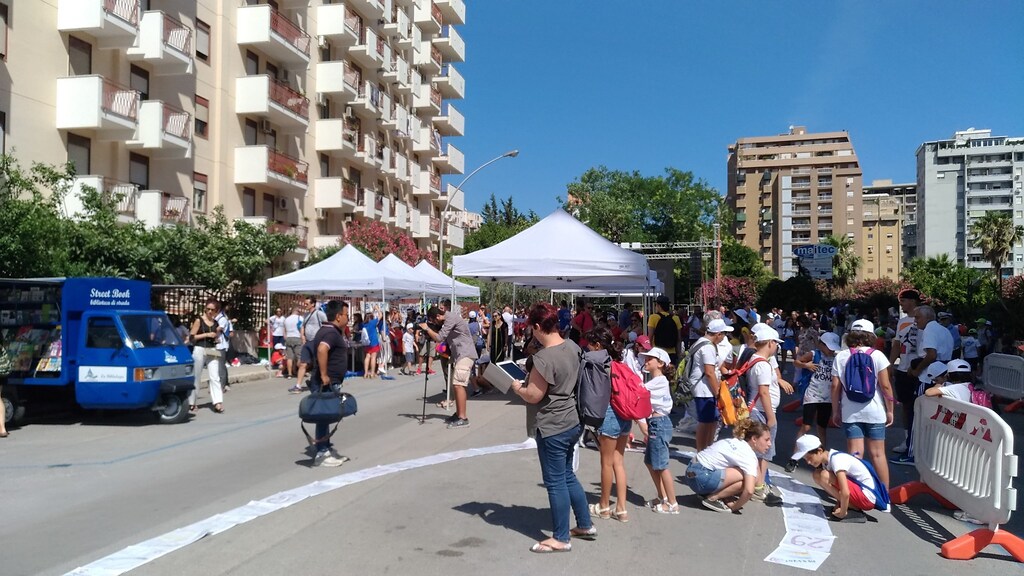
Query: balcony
point(321, 242)
point(800, 184)
point(426, 142)
point(824, 197)
point(801, 226)
point(456, 236)
point(374, 9)
point(416, 224)
point(113, 23)
point(427, 101)
point(435, 226)
point(265, 96)
point(400, 216)
point(824, 225)
point(126, 195)
point(453, 12)
point(457, 202)
point(338, 23)
point(428, 17)
point(366, 151)
point(450, 83)
point(801, 198)
point(93, 102)
point(164, 43)
point(337, 136)
point(338, 78)
point(450, 45)
point(366, 204)
point(369, 99)
point(263, 27)
point(401, 166)
point(451, 122)
point(334, 193)
point(369, 51)
point(451, 160)
point(261, 165)
point(163, 130)
point(300, 233)
point(175, 210)
point(429, 59)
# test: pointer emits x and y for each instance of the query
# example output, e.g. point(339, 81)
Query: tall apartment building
point(295, 114)
point(889, 234)
point(958, 181)
point(792, 190)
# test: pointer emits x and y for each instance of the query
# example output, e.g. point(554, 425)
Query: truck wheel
point(174, 409)
point(13, 413)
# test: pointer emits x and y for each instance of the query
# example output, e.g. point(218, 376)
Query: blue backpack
point(880, 492)
point(859, 378)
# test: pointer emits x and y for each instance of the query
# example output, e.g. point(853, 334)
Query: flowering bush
point(377, 240)
point(732, 292)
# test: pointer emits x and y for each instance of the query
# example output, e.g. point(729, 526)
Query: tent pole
point(448, 376)
point(270, 335)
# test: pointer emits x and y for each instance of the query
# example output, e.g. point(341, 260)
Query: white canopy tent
point(394, 267)
point(462, 290)
point(652, 286)
point(348, 272)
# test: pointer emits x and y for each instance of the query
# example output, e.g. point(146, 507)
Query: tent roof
point(347, 272)
point(462, 290)
point(395, 266)
point(559, 251)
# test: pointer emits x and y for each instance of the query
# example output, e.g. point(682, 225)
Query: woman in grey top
point(551, 386)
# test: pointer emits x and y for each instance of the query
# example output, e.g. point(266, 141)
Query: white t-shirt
point(729, 453)
point(854, 468)
point(277, 325)
point(970, 346)
point(724, 350)
point(938, 337)
point(705, 356)
point(872, 412)
point(661, 395)
point(906, 338)
point(819, 391)
point(509, 322)
point(408, 343)
point(291, 326)
point(956, 392)
point(629, 358)
point(759, 375)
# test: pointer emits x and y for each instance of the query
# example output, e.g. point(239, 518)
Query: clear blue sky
point(642, 85)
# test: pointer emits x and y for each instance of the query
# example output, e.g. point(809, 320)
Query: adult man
point(946, 320)
point(624, 316)
point(292, 345)
point(455, 333)
point(904, 351)
point(509, 319)
point(331, 364)
point(696, 323)
point(226, 323)
point(564, 317)
point(311, 324)
point(663, 328)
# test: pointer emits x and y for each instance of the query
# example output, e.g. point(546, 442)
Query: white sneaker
point(328, 460)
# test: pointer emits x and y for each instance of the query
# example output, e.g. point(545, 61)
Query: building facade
point(888, 237)
point(960, 180)
point(792, 190)
point(302, 116)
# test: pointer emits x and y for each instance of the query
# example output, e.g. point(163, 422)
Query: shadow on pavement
point(526, 520)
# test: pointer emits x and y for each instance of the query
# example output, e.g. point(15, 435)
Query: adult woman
point(612, 438)
point(551, 392)
point(864, 421)
point(205, 332)
point(728, 468)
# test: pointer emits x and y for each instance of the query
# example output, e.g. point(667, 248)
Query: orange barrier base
point(792, 406)
point(1014, 406)
point(904, 492)
point(970, 545)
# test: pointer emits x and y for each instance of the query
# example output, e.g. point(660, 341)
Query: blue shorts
point(278, 340)
point(760, 417)
point(707, 410)
point(703, 480)
point(659, 434)
point(857, 430)
point(410, 358)
point(614, 427)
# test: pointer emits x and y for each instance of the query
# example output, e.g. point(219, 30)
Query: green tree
point(500, 221)
point(995, 234)
point(846, 263)
point(742, 261)
point(33, 239)
point(949, 283)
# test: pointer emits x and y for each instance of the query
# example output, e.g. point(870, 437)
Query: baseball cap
point(472, 313)
point(764, 333)
point(972, 331)
point(944, 315)
point(910, 294)
point(643, 342)
point(408, 326)
point(718, 325)
point(958, 366)
point(278, 346)
point(663, 299)
point(863, 325)
point(831, 339)
point(657, 353)
point(805, 444)
point(934, 370)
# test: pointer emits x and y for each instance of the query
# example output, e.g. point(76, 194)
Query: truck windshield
point(150, 330)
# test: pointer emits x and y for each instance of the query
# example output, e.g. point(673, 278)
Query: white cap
point(934, 370)
point(805, 444)
point(408, 326)
point(831, 339)
point(279, 346)
point(718, 325)
point(958, 366)
point(764, 333)
point(659, 354)
point(472, 313)
point(863, 325)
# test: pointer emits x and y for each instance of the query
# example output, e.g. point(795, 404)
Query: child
point(728, 468)
point(951, 380)
point(409, 348)
point(970, 348)
point(851, 481)
point(659, 429)
point(765, 394)
point(818, 396)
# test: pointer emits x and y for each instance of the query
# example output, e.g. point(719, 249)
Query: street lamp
point(458, 188)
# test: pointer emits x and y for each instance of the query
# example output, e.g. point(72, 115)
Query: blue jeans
point(564, 490)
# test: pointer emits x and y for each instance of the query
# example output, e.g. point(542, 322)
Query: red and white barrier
point(1004, 377)
point(964, 456)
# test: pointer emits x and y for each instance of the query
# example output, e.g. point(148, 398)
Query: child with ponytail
point(659, 430)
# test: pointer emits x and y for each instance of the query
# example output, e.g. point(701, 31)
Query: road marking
point(142, 553)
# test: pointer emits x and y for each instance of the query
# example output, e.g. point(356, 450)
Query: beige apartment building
point(793, 190)
point(889, 234)
point(301, 115)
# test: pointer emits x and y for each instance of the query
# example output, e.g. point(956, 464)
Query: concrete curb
point(240, 374)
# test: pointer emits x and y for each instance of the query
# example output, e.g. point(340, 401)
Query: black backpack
point(666, 335)
point(594, 387)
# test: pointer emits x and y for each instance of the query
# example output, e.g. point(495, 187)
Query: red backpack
point(630, 400)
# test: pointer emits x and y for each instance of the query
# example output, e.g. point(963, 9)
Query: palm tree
point(995, 234)
point(846, 263)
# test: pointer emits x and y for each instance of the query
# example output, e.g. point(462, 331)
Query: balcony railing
point(125, 193)
point(127, 10)
point(350, 191)
point(289, 98)
point(177, 122)
point(435, 181)
point(353, 22)
point(435, 55)
point(380, 45)
point(435, 97)
point(292, 168)
point(120, 101)
point(290, 31)
point(353, 78)
point(378, 202)
point(435, 12)
point(177, 35)
point(435, 223)
point(301, 233)
point(175, 209)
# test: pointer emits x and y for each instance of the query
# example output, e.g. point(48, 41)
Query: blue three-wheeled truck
point(94, 342)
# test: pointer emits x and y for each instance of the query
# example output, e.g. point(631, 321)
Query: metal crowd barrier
point(1004, 377)
point(964, 456)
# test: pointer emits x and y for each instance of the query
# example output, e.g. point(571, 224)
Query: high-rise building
point(958, 181)
point(792, 190)
point(889, 227)
point(301, 116)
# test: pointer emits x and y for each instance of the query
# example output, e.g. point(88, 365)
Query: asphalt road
point(77, 490)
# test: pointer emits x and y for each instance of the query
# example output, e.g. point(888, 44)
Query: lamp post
point(458, 188)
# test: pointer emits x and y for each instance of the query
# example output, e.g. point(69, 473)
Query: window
point(252, 63)
point(248, 202)
point(79, 57)
point(138, 170)
point(102, 332)
point(202, 41)
point(249, 134)
point(199, 182)
point(325, 166)
point(5, 18)
point(268, 206)
point(202, 117)
point(79, 153)
point(3, 132)
point(139, 81)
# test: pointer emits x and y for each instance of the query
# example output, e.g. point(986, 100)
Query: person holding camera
point(456, 335)
point(327, 371)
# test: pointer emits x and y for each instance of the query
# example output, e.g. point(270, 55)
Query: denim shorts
point(704, 480)
point(856, 430)
point(707, 410)
point(410, 358)
point(613, 426)
point(659, 434)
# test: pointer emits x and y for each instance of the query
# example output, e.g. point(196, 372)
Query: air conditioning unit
point(321, 100)
point(349, 113)
point(282, 204)
point(348, 218)
point(283, 75)
point(321, 41)
point(266, 127)
point(321, 214)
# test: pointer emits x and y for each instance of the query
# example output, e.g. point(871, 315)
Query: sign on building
point(816, 259)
